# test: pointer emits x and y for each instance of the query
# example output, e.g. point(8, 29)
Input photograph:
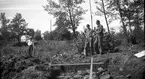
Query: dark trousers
point(95, 46)
point(98, 45)
point(30, 50)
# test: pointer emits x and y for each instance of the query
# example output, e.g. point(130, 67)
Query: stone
point(86, 77)
point(129, 76)
point(106, 76)
point(100, 69)
point(121, 69)
point(61, 77)
point(80, 72)
point(77, 76)
point(67, 77)
point(87, 71)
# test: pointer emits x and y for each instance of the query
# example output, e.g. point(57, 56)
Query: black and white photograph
point(72, 39)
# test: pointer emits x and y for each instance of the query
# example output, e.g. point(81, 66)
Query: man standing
point(99, 37)
point(88, 41)
point(31, 46)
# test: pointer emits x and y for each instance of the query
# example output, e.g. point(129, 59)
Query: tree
point(118, 6)
point(136, 9)
point(101, 9)
point(18, 26)
point(131, 14)
point(58, 34)
point(4, 28)
point(67, 13)
point(37, 35)
point(47, 36)
point(62, 34)
point(4, 21)
point(30, 32)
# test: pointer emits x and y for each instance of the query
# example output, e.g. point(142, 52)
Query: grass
point(16, 64)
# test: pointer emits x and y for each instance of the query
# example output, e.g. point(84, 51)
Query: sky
point(38, 18)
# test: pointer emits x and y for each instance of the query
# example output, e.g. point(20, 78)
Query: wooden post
point(91, 14)
point(50, 25)
point(91, 68)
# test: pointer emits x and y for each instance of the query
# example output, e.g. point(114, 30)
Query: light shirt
point(88, 33)
point(29, 42)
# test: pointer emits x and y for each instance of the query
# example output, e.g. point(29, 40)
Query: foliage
point(131, 13)
point(16, 65)
point(67, 13)
point(80, 41)
point(1, 37)
point(4, 21)
point(37, 35)
point(101, 10)
point(110, 42)
point(18, 24)
point(15, 28)
point(138, 33)
point(5, 34)
point(135, 67)
point(47, 36)
point(58, 34)
point(30, 32)
point(110, 14)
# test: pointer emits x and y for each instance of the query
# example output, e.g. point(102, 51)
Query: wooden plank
point(140, 54)
point(76, 64)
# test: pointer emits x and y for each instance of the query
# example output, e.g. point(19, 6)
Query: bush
point(39, 72)
point(58, 34)
point(38, 38)
point(135, 67)
point(79, 41)
point(5, 34)
point(110, 42)
point(138, 34)
point(14, 66)
point(1, 37)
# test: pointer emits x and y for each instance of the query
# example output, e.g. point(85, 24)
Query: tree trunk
point(130, 30)
point(72, 24)
point(123, 25)
point(131, 36)
point(104, 11)
point(129, 19)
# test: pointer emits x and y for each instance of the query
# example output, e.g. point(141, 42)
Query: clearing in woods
point(64, 55)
